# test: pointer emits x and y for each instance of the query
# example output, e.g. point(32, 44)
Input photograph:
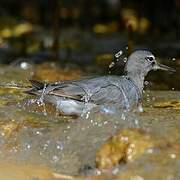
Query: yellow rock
point(168, 104)
point(22, 28)
point(6, 33)
point(16, 30)
point(106, 28)
point(9, 128)
point(125, 146)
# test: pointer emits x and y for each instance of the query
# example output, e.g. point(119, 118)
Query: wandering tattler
point(77, 96)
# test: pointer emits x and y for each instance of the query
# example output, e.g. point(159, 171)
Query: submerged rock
point(8, 129)
point(127, 145)
point(168, 104)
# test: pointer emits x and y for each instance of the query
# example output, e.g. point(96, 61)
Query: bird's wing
point(102, 92)
point(69, 90)
point(61, 89)
point(107, 94)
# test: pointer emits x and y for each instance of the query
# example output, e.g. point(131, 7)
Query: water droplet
point(45, 146)
point(87, 115)
point(140, 108)
point(98, 172)
point(60, 145)
point(38, 133)
point(123, 117)
point(146, 83)
point(125, 59)
point(124, 138)
point(14, 149)
point(115, 171)
point(95, 123)
point(118, 54)
point(173, 156)
point(112, 64)
point(25, 65)
point(136, 121)
point(150, 150)
point(28, 146)
point(55, 158)
point(99, 124)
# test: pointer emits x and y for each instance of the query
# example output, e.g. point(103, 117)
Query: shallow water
point(35, 134)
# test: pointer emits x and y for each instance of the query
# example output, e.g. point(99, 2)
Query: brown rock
point(125, 146)
point(8, 129)
point(168, 104)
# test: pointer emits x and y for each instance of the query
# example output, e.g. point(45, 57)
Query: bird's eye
point(150, 58)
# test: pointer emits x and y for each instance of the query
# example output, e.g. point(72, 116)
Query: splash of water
point(112, 64)
point(41, 100)
point(117, 56)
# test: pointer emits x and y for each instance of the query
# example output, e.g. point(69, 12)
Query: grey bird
point(77, 96)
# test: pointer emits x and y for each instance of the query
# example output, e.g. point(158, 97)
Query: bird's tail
point(36, 84)
point(36, 87)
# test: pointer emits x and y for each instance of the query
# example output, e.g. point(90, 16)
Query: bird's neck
point(138, 79)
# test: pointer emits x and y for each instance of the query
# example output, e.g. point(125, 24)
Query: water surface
point(35, 133)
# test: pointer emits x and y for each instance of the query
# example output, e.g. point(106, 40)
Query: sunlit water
point(34, 132)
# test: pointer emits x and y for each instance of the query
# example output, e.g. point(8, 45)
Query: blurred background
point(84, 36)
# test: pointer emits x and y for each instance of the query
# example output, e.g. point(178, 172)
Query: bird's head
point(142, 61)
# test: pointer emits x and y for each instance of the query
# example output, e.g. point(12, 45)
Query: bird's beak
point(163, 67)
